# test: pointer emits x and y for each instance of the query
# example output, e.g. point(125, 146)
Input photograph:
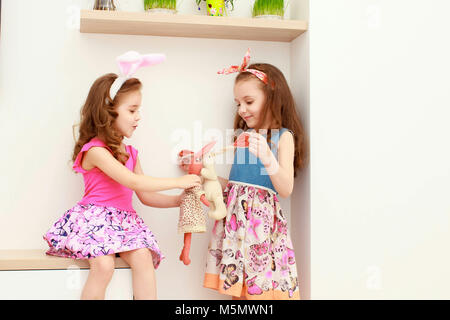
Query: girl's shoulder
point(94, 142)
point(281, 133)
point(132, 151)
point(285, 138)
point(286, 132)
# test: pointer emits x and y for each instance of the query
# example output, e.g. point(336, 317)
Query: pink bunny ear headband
point(129, 63)
point(243, 68)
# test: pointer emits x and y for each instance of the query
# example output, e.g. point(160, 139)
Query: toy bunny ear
point(241, 142)
point(205, 149)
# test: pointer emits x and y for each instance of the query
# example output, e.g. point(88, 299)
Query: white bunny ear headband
point(129, 63)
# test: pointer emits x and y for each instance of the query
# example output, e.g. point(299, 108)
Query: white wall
point(46, 69)
point(380, 173)
point(300, 198)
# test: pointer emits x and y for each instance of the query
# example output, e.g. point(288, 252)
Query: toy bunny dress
point(104, 221)
point(250, 253)
point(192, 218)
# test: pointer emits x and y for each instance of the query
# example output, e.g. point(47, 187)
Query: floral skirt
point(250, 253)
point(89, 231)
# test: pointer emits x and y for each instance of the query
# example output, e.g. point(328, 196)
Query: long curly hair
point(98, 115)
point(280, 105)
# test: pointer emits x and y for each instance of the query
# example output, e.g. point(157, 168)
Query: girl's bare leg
point(144, 280)
point(100, 274)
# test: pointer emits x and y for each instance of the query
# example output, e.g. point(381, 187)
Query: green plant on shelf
point(268, 8)
point(160, 4)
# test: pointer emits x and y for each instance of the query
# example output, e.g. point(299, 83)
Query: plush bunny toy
point(192, 218)
point(213, 188)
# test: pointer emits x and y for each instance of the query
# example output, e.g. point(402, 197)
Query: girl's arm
point(101, 158)
point(223, 181)
point(281, 172)
point(282, 175)
point(154, 199)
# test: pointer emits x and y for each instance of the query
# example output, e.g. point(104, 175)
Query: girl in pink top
point(104, 222)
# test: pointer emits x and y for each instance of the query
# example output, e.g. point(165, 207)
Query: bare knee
point(139, 259)
point(144, 259)
point(103, 268)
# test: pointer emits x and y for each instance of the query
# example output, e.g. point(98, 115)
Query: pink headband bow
point(129, 63)
point(243, 68)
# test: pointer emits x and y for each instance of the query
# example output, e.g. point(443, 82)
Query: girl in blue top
point(250, 255)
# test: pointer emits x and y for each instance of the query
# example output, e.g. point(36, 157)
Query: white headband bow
point(129, 63)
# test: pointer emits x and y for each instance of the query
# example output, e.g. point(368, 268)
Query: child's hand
point(259, 147)
point(242, 140)
point(189, 181)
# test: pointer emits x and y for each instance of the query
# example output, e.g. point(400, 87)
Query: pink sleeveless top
point(100, 189)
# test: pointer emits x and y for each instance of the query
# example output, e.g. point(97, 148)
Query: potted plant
point(216, 7)
point(160, 6)
point(273, 9)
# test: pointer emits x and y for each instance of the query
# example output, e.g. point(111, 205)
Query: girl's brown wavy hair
point(280, 104)
point(98, 115)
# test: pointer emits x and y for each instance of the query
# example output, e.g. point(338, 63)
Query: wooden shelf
point(192, 26)
point(38, 260)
